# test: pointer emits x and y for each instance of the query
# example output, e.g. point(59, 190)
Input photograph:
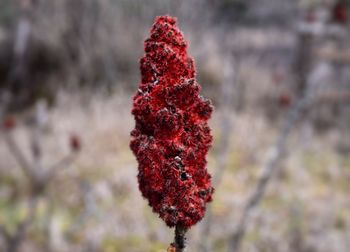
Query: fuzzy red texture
point(171, 136)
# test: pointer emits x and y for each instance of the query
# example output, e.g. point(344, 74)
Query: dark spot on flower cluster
point(171, 136)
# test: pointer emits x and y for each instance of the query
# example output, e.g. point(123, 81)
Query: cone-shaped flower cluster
point(171, 137)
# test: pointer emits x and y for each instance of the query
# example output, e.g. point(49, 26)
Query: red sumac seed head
point(171, 137)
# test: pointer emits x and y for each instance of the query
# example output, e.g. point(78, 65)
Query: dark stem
point(180, 239)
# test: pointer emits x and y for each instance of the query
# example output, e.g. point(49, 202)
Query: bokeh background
point(278, 74)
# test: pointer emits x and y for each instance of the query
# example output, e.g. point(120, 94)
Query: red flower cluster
point(171, 137)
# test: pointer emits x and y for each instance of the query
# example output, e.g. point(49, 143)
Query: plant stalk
point(180, 238)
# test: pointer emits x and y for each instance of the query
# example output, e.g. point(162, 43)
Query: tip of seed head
point(167, 19)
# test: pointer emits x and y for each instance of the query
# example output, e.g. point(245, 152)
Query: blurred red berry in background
point(340, 12)
point(284, 100)
point(9, 123)
point(75, 143)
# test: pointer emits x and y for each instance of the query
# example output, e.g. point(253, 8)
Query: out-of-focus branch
point(19, 156)
point(38, 177)
point(278, 153)
point(63, 163)
point(22, 35)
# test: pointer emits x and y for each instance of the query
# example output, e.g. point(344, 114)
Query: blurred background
point(278, 73)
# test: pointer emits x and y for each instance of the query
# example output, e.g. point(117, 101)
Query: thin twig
point(63, 163)
point(19, 156)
